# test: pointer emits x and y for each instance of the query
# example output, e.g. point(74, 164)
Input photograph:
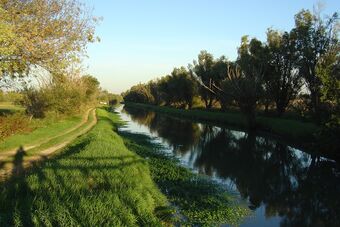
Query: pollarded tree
point(315, 37)
point(283, 81)
point(51, 34)
point(203, 68)
point(245, 81)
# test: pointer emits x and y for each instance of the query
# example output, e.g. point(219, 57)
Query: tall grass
point(96, 181)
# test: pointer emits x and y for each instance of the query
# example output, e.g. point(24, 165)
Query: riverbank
point(95, 181)
point(199, 200)
point(106, 178)
point(290, 129)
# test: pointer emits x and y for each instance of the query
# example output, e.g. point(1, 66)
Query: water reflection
point(301, 189)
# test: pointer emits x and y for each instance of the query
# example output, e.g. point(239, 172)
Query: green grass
point(96, 181)
point(199, 200)
point(294, 130)
point(44, 129)
point(9, 108)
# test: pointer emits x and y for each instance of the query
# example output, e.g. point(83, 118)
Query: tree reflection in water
point(302, 189)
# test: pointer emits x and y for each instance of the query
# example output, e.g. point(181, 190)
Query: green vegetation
point(303, 131)
point(45, 129)
point(94, 182)
point(296, 70)
point(200, 201)
point(9, 108)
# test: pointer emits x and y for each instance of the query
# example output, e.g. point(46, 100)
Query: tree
point(283, 79)
point(203, 68)
point(244, 83)
point(315, 37)
point(220, 70)
point(91, 87)
point(139, 93)
point(183, 86)
point(155, 91)
point(51, 34)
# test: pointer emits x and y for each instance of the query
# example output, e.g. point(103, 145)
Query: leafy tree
point(139, 93)
point(51, 34)
point(244, 83)
point(91, 87)
point(155, 91)
point(283, 79)
point(203, 68)
point(315, 37)
point(183, 87)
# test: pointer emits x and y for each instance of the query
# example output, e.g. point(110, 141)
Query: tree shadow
point(47, 180)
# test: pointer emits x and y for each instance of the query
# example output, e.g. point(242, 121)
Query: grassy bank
point(96, 181)
point(199, 200)
point(42, 130)
point(291, 129)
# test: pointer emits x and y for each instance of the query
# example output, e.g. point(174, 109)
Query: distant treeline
point(300, 67)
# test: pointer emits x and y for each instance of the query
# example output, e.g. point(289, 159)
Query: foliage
point(303, 62)
point(282, 80)
point(315, 38)
point(204, 69)
point(139, 93)
point(244, 83)
point(51, 34)
point(178, 89)
point(13, 124)
point(65, 95)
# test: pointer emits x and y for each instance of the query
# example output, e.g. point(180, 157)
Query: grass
point(45, 129)
point(294, 130)
point(200, 201)
point(6, 164)
point(96, 181)
point(9, 108)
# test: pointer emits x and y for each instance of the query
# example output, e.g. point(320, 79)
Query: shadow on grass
point(47, 179)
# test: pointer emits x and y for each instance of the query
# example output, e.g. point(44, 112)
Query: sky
point(145, 39)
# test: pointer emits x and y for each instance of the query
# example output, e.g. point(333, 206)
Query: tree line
point(299, 66)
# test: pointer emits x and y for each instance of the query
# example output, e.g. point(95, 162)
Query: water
point(282, 185)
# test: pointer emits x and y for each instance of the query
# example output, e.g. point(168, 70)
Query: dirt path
point(26, 161)
point(5, 154)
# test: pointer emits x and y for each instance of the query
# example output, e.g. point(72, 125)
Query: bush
point(65, 95)
point(36, 102)
point(12, 124)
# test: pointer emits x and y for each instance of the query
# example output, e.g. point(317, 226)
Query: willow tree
point(203, 69)
point(244, 80)
point(46, 34)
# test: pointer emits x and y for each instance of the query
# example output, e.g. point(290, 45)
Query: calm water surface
point(282, 186)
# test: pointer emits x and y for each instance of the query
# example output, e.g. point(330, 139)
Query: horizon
point(155, 37)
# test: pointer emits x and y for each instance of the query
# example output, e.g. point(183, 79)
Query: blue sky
point(146, 39)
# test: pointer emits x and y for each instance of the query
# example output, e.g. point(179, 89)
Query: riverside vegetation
point(66, 163)
point(292, 73)
point(113, 184)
